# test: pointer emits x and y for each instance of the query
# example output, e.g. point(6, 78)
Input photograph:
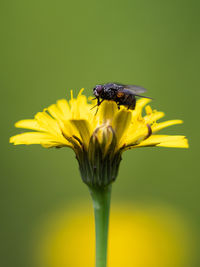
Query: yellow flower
point(98, 137)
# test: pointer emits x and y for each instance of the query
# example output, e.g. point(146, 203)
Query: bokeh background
point(50, 47)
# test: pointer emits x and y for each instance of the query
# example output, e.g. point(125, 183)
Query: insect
point(123, 95)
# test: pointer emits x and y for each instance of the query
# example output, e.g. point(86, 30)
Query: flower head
point(98, 137)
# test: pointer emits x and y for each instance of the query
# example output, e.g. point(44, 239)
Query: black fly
point(123, 95)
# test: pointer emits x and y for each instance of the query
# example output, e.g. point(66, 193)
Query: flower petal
point(29, 124)
point(55, 112)
point(84, 130)
point(121, 123)
point(154, 116)
point(165, 141)
point(159, 126)
point(137, 132)
point(181, 143)
point(79, 108)
point(47, 122)
point(38, 138)
point(64, 108)
point(106, 112)
point(140, 104)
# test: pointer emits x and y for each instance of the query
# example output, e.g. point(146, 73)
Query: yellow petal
point(79, 108)
point(148, 110)
point(64, 108)
point(84, 130)
point(165, 141)
point(37, 138)
point(159, 126)
point(137, 132)
point(181, 143)
point(47, 122)
point(154, 116)
point(121, 123)
point(140, 104)
point(106, 112)
point(80, 92)
point(55, 112)
point(29, 124)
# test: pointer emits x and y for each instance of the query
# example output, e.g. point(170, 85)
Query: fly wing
point(134, 89)
point(131, 89)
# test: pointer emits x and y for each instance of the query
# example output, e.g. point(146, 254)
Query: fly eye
point(99, 88)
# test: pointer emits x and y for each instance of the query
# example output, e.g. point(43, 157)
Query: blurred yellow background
point(139, 236)
point(50, 47)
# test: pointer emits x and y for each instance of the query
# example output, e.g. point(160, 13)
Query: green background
point(50, 47)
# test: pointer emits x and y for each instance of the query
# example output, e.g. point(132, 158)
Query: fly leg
point(132, 104)
point(98, 104)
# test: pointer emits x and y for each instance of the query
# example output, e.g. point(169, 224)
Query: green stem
point(101, 203)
